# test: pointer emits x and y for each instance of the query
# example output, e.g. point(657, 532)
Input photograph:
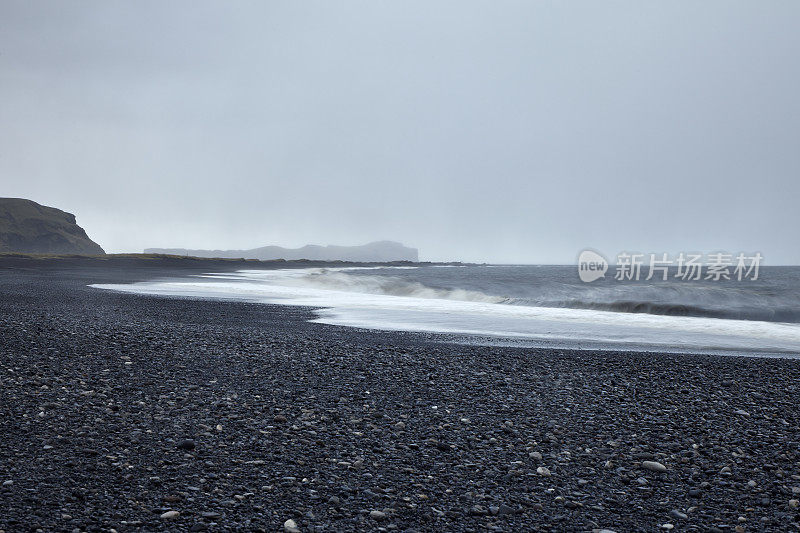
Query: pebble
point(478, 510)
point(117, 450)
point(654, 466)
point(170, 515)
point(186, 444)
point(504, 509)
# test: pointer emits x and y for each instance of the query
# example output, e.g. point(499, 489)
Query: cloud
point(524, 133)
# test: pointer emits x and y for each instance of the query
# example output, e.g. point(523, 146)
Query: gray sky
point(488, 131)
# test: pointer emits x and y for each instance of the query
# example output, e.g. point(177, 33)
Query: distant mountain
point(28, 227)
point(381, 251)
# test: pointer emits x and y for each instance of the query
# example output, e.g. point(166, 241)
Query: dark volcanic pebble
point(329, 428)
point(186, 444)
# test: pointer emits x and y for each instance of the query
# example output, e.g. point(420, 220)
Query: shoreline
point(122, 408)
point(330, 310)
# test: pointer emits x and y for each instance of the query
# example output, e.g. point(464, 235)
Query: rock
point(654, 466)
point(543, 471)
point(678, 514)
point(504, 509)
point(28, 227)
point(536, 456)
point(794, 504)
point(290, 526)
point(186, 444)
point(170, 515)
point(280, 419)
point(8, 483)
point(210, 515)
point(377, 515)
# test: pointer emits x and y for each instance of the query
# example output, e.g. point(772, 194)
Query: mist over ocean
point(527, 304)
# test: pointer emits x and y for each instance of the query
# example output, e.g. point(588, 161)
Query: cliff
point(28, 227)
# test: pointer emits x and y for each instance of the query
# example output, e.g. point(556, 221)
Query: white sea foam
point(391, 303)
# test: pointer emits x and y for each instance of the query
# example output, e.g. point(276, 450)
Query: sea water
point(535, 305)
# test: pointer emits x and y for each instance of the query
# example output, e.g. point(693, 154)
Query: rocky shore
point(131, 413)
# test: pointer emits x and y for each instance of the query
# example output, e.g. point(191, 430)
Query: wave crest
point(387, 285)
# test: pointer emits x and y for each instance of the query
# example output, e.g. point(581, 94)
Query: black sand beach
point(138, 413)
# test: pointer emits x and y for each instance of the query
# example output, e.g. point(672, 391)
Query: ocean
point(528, 305)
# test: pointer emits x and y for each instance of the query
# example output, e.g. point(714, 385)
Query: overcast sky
point(484, 131)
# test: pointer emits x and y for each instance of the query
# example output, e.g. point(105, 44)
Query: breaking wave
point(338, 280)
point(671, 309)
point(719, 304)
point(536, 305)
